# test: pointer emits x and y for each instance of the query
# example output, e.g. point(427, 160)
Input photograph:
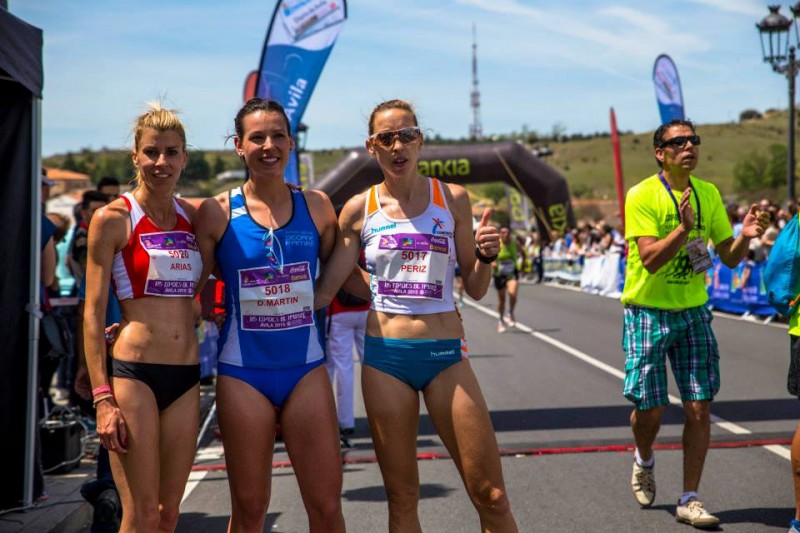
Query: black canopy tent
point(509, 162)
point(20, 146)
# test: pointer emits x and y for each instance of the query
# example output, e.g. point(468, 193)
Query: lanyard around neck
point(675, 201)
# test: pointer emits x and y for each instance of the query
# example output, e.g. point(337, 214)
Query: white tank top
point(410, 261)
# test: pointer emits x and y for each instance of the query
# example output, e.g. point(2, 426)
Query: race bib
point(270, 300)
point(412, 265)
point(175, 263)
point(505, 268)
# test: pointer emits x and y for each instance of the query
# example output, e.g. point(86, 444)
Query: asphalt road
point(553, 385)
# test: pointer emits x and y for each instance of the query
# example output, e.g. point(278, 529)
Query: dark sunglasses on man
point(405, 135)
point(681, 140)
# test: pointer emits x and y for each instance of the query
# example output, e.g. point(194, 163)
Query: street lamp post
point(775, 47)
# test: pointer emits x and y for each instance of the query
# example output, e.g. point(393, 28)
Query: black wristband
point(485, 259)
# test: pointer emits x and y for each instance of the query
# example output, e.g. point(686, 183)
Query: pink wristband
point(101, 389)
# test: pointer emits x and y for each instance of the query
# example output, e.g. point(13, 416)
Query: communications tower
point(475, 129)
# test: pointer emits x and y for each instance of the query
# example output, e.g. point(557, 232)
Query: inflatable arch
point(508, 162)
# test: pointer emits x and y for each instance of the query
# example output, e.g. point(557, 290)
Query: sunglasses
point(681, 140)
point(405, 135)
point(274, 251)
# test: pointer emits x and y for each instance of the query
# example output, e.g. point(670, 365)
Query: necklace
point(168, 221)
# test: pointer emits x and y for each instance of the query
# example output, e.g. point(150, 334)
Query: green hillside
point(586, 163)
point(589, 169)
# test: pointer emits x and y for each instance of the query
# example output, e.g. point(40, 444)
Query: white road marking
point(209, 453)
point(731, 427)
point(194, 479)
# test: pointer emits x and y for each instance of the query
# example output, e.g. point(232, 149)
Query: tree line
point(201, 166)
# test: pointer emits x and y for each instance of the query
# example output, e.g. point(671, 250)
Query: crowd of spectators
point(59, 343)
point(592, 238)
point(778, 216)
point(587, 239)
point(70, 241)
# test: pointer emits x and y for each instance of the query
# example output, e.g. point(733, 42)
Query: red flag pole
point(250, 85)
point(618, 168)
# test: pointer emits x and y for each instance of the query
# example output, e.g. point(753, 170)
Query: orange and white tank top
point(156, 262)
point(410, 261)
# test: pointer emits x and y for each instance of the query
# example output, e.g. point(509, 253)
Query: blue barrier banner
point(739, 290)
point(718, 283)
point(736, 300)
point(299, 40)
point(755, 294)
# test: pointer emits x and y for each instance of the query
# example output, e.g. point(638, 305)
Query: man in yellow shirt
point(670, 218)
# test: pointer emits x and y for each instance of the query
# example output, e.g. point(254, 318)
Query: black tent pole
point(34, 313)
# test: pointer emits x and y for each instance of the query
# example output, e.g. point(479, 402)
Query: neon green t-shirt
point(649, 211)
point(506, 258)
point(794, 325)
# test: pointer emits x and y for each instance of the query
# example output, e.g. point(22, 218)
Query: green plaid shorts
point(650, 335)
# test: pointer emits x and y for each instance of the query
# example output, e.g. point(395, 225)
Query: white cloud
point(539, 63)
point(752, 8)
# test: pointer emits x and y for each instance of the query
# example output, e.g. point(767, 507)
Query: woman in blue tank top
point(414, 230)
point(266, 239)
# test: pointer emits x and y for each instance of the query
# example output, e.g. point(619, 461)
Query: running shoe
point(794, 526)
point(511, 322)
point(501, 328)
point(693, 513)
point(643, 484)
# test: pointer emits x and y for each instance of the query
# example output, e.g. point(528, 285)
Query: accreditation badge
point(698, 255)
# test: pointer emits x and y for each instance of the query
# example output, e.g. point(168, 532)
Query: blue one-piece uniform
point(271, 334)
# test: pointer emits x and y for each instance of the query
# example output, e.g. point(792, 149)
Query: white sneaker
point(693, 513)
point(643, 484)
point(511, 322)
point(501, 328)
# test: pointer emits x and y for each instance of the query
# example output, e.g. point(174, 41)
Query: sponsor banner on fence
point(562, 269)
point(738, 290)
point(601, 275)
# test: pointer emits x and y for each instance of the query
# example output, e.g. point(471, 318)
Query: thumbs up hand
point(487, 238)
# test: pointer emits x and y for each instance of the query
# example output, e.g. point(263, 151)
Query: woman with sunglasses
point(147, 399)
point(266, 238)
point(414, 230)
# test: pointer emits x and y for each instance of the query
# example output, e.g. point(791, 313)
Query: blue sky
point(541, 63)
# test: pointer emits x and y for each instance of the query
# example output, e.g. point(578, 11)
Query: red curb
point(531, 452)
